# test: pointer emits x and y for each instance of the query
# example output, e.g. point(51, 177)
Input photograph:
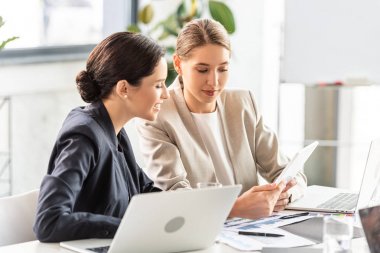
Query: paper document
point(249, 243)
point(271, 224)
point(273, 221)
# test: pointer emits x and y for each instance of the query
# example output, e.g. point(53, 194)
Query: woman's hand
point(283, 199)
point(258, 202)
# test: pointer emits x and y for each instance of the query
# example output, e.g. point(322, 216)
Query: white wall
point(41, 96)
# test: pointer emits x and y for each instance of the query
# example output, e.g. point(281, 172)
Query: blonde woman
point(208, 133)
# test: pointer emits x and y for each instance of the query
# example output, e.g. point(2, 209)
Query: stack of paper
point(230, 235)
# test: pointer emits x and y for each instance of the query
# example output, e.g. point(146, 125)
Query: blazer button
point(106, 232)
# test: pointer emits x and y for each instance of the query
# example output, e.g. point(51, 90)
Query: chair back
point(17, 214)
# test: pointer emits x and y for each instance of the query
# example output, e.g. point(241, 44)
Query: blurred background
point(313, 68)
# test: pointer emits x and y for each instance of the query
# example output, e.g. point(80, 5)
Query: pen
point(294, 215)
point(259, 234)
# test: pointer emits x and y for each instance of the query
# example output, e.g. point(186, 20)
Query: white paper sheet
point(273, 221)
point(271, 224)
point(249, 243)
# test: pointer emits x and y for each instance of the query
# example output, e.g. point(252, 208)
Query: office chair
point(17, 215)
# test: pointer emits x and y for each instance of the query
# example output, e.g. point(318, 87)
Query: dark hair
point(200, 32)
point(121, 56)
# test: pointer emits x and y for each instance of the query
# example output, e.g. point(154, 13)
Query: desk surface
point(358, 245)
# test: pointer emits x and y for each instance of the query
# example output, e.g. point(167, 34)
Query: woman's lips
point(210, 93)
point(157, 107)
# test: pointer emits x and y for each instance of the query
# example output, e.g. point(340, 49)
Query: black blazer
point(91, 177)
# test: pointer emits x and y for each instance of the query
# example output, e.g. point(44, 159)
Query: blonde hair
point(200, 32)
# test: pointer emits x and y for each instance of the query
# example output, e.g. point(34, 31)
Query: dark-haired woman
point(92, 173)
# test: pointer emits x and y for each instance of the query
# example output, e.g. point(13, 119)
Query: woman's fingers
point(269, 187)
point(265, 187)
point(290, 184)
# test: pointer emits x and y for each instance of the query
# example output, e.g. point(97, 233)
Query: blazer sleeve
point(269, 159)
point(162, 157)
point(55, 219)
point(147, 185)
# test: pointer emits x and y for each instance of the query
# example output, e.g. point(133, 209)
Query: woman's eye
point(202, 70)
point(158, 86)
point(223, 70)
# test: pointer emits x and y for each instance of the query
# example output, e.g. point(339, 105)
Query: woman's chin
point(151, 117)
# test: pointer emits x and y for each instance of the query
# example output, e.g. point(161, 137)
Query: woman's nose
point(165, 93)
point(213, 78)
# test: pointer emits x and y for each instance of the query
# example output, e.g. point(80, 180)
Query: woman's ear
point(122, 88)
point(177, 64)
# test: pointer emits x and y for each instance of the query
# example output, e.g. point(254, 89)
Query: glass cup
point(337, 234)
point(208, 184)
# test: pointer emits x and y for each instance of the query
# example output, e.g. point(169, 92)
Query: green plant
point(5, 42)
point(165, 31)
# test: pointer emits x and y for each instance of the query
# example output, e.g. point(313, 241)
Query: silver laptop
point(328, 199)
point(170, 221)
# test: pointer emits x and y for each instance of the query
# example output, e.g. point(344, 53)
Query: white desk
point(358, 245)
point(38, 247)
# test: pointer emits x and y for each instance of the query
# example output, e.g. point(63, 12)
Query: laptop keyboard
point(341, 201)
point(100, 249)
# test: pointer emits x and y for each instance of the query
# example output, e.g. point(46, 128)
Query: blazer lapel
point(188, 121)
point(225, 128)
point(186, 116)
point(238, 148)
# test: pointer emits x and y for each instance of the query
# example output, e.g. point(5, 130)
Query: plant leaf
point(194, 8)
point(172, 74)
point(181, 14)
point(170, 31)
point(170, 25)
point(222, 13)
point(2, 45)
point(163, 35)
point(133, 28)
point(188, 10)
point(170, 50)
point(146, 14)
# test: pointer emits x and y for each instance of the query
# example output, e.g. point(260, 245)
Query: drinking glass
point(337, 234)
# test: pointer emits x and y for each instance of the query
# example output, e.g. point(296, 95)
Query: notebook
point(329, 199)
point(370, 219)
point(170, 221)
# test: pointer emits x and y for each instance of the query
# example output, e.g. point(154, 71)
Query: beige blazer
point(176, 156)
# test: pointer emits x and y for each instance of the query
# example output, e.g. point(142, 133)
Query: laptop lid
point(316, 195)
point(370, 219)
point(170, 221)
point(369, 192)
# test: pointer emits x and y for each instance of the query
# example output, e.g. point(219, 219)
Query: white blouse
point(210, 128)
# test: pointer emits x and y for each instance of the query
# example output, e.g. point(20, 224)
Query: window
point(52, 22)
point(59, 30)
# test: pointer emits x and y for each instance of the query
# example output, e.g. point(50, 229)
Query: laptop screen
point(370, 218)
point(370, 189)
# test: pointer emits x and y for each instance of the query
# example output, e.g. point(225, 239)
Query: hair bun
point(87, 87)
